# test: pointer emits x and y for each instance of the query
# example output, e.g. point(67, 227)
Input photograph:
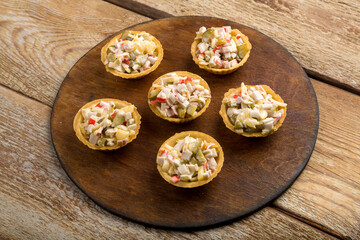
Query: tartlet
point(107, 124)
point(220, 50)
point(132, 54)
point(179, 96)
point(253, 111)
point(190, 159)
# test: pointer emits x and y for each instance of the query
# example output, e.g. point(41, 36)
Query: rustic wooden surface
point(37, 200)
point(42, 40)
point(323, 35)
point(328, 193)
point(255, 171)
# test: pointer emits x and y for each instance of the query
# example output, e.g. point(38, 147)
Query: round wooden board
point(256, 170)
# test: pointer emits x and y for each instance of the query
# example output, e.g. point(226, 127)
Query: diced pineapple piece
point(181, 112)
point(235, 40)
point(168, 80)
point(221, 41)
point(122, 134)
point(154, 92)
point(251, 122)
point(242, 50)
point(201, 173)
point(166, 166)
point(207, 34)
point(191, 110)
point(118, 119)
point(128, 108)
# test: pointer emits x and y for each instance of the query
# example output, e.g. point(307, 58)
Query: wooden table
point(41, 40)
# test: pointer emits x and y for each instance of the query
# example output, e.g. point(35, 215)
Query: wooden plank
point(38, 201)
point(42, 40)
point(328, 191)
point(322, 35)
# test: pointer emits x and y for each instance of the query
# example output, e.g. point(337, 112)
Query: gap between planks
point(309, 222)
point(23, 94)
point(154, 13)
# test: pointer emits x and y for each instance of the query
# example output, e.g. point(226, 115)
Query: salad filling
point(105, 124)
point(178, 97)
point(132, 53)
point(220, 47)
point(254, 110)
point(191, 159)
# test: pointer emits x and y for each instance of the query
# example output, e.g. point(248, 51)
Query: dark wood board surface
point(255, 171)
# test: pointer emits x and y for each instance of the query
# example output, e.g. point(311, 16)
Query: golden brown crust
point(222, 71)
point(159, 48)
point(181, 120)
point(229, 125)
point(119, 104)
point(172, 141)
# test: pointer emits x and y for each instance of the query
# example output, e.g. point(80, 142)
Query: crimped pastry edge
point(222, 71)
point(119, 103)
point(195, 134)
point(181, 120)
point(132, 75)
point(229, 125)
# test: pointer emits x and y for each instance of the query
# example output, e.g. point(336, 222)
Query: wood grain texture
point(255, 171)
point(328, 192)
point(42, 40)
point(38, 200)
point(323, 35)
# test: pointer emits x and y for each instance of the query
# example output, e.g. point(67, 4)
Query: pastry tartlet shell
point(159, 48)
point(181, 120)
point(172, 141)
point(229, 125)
point(222, 71)
point(119, 104)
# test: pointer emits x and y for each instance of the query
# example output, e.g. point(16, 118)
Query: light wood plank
point(38, 201)
point(42, 40)
point(323, 35)
point(328, 191)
